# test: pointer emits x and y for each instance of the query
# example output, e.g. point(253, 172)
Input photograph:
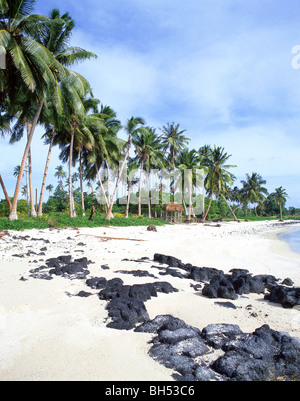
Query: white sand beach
point(48, 333)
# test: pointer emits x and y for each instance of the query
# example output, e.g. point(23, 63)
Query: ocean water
point(292, 237)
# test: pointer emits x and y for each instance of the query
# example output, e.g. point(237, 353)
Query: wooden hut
point(173, 212)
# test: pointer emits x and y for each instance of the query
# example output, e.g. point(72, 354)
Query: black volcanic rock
point(287, 297)
point(260, 356)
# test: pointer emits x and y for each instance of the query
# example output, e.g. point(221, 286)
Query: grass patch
point(60, 220)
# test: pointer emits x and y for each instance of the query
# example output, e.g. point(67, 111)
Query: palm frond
point(73, 55)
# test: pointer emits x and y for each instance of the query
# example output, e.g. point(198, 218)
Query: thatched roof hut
point(173, 207)
point(173, 211)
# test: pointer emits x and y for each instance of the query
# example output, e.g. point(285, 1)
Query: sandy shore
point(48, 333)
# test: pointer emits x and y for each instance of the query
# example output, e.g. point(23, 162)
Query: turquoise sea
point(292, 237)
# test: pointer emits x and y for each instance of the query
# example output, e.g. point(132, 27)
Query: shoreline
point(46, 331)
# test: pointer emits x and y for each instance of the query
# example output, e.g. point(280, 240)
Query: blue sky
point(222, 69)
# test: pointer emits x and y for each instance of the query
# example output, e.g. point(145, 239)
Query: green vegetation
point(62, 220)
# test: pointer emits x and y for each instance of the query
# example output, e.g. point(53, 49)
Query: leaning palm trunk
point(13, 213)
point(71, 199)
point(32, 208)
point(140, 187)
point(232, 211)
point(101, 186)
point(5, 193)
point(190, 203)
point(149, 200)
point(207, 211)
point(81, 186)
point(109, 213)
point(40, 211)
point(128, 199)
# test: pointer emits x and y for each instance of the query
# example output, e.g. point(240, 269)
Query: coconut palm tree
point(133, 125)
point(112, 157)
point(189, 160)
point(279, 197)
point(60, 175)
point(55, 37)
point(75, 133)
point(174, 141)
point(31, 70)
point(148, 149)
point(218, 175)
point(35, 61)
point(5, 193)
point(50, 188)
point(251, 191)
point(254, 192)
point(132, 167)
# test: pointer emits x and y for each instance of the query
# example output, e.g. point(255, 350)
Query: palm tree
point(148, 149)
point(55, 38)
point(90, 185)
point(189, 160)
point(174, 141)
point(132, 166)
point(218, 175)
point(34, 71)
point(79, 132)
point(5, 193)
point(50, 188)
point(279, 197)
point(60, 175)
point(133, 125)
point(113, 154)
point(253, 189)
point(49, 138)
point(24, 191)
point(31, 71)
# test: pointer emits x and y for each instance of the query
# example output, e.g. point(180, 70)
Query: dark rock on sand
point(96, 283)
point(263, 355)
point(126, 303)
point(219, 287)
point(126, 313)
point(287, 297)
point(62, 266)
point(230, 286)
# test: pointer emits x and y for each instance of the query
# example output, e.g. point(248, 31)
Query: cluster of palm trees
point(38, 86)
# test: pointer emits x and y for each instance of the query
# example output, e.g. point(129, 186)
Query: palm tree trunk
point(32, 208)
point(92, 189)
point(108, 189)
point(40, 210)
point(101, 186)
point(5, 193)
point(140, 185)
point(13, 213)
point(148, 187)
point(207, 211)
point(109, 213)
point(232, 211)
point(235, 218)
point(128, 200)
point(27, 188)
point(81, 186)
point(71, 203)
point(280, 205)
point(190, 203)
